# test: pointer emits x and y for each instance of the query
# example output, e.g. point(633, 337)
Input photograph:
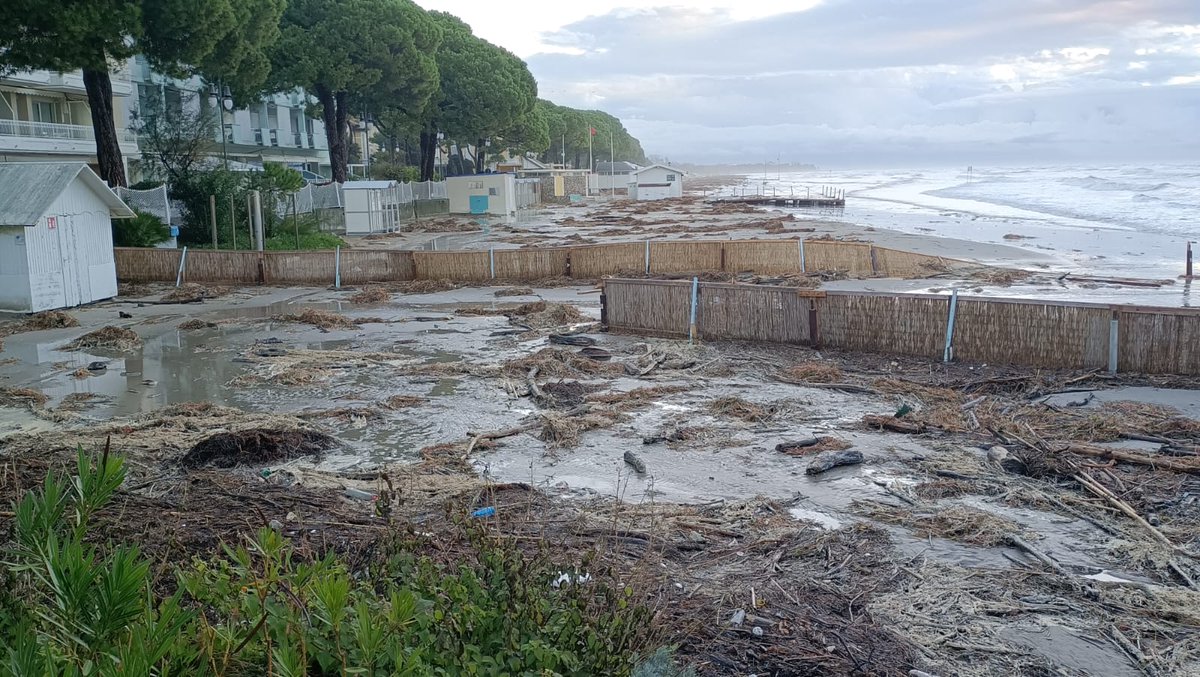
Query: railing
point(53, 130)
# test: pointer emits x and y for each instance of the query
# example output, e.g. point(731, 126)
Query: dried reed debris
point(110, 338)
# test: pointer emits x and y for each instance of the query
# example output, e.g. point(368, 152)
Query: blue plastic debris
point(484, 512)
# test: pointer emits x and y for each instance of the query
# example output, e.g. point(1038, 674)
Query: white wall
point(501, 190)
point(72, 263)
point(14, 269)
point(647, 180)
point(607, 182)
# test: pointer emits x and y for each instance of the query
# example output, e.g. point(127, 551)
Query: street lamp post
point(225, 100)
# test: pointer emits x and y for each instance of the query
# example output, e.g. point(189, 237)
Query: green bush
point(384, 171)
point(261, 609)
point(143, 230)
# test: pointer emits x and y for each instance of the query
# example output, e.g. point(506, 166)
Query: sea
point(1127, 220)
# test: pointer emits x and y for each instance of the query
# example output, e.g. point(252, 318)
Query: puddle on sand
point(1186, 401)
point(1067, 650)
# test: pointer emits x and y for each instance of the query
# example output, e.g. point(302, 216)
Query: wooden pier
point(825, 198)
point(773, 201)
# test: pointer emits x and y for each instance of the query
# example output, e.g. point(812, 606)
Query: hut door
point(71, 265)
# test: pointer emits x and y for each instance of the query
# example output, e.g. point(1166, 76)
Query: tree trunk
point(104, 126)
point(334, 134)
point(343, 125)
point(426, 155)
point(480, 160)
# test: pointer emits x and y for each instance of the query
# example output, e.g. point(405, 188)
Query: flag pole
point(591, 161)
point(612, 168)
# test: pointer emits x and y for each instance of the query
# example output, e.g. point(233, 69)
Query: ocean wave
point(1102, 184)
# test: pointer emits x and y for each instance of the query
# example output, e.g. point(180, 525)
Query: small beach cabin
point(656, 182)
point(56, 243)
point(479, 194)
point(371, 206)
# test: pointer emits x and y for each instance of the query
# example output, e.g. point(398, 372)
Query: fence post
point(692, 321)
point(948, 354)
point(182, 265)
point(492, 261)
point(874, 263)
point(814, 327)
point(802, 268)
point(1112, 343)
point(337, 267)
point(1188, 273)
point(647, 257)
point(212, 211)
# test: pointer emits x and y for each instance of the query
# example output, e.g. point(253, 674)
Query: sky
point(870, 82)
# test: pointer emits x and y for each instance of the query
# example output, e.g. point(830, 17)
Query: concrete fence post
point(182, 267)
point(802, 267)
point(647, 257)
point(492, 261)
point(337, 267)
point(692, 320)
point(948, 354)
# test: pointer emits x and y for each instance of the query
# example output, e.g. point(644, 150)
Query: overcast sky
point(871, 82)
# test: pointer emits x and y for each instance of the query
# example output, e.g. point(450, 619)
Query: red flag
point(593, 129)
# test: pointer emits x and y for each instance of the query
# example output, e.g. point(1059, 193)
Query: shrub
point(68, 609)
point(143, 230)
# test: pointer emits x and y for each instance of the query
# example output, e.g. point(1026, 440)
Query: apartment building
point(277, 129)
point(44, 116)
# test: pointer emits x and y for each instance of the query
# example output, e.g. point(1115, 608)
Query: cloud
point(870, 81)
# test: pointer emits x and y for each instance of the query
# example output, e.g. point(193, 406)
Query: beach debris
point(571, 340)
point(49, 319)
point(192, 293)
point(812, 445)
point(489, 511)
point(113, 338)
point(738, 618)
point(97, 366)
point(370, 295)
point(597, 354)
point(541, 315)
point(514, 291)
point(814, 372)
point(256, 446)
point(635, 462)
point(22, 397)
point(403, 401)
point(833, 459)
point(893, 424)
point(195, 323)
point(358, 494)
point(559, 363)
point(736, 407)
point(321, 319)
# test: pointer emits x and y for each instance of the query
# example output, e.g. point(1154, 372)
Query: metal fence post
point(337, 267)
point(802, 268)
point(1113, 344)
point(692, 321)
point(182, 265)
point(948, 354)
point(647, 257)
point(492, 261)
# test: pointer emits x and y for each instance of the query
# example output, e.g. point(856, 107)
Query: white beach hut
point(371, 206)
point(56, 246)
point(656, 182)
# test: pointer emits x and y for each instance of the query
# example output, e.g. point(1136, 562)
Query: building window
point(492, 191)
point(670, 177)
point(45, 111)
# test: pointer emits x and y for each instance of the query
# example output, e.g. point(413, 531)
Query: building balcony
point(49, 137)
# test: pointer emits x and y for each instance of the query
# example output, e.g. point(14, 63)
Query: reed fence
point(651, 257)
point(1024, 332)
